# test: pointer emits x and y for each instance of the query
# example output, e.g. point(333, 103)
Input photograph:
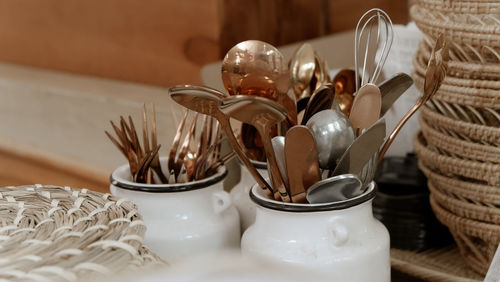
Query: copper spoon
point(256, 68)
point(263, 114)
point(366, 106)
point(206, 101)
point(434, 76)
point(302, 163)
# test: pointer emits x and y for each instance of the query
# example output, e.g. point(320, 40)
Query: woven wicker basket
point(476, 240)
point(488, 135)
point(467, 191)
point(456, 147)
point(486, 173)
point(458, 66)
point(455, 74)
point(50, 233)
point(473, 38)
point(466, 29)
point(461, 207)
point(460, 7)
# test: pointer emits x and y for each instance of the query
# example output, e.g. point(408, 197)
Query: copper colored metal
point(301, 156)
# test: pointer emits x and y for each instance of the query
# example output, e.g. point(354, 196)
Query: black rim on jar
point(123, 183)
point(262, 201)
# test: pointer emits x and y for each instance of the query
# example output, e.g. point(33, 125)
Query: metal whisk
point(383, 38)
point(383, 43)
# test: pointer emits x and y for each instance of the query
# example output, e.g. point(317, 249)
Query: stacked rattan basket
point(50, 233)
point(459, 144)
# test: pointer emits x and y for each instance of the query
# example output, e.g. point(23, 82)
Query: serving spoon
point(334, 189)
point(263, 114)
point(206, 100)
point(257, 68)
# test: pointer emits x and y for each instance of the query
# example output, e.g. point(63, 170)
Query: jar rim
point(257, 194)
point(118, 179)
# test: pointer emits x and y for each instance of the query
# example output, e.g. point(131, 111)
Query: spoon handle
point(274, 172)
point(396, 130)
point(226, 126)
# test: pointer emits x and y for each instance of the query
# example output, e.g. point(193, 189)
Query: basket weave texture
point(51, 233)
point(459, 145)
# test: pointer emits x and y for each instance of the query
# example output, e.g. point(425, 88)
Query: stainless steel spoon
point(334, 189)
point(206, 101)
point(333, 133)
point(263, 114)
point(278, 143)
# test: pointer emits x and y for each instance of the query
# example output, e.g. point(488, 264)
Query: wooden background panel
point(161, 42)
point(281, 22)
point(28, 167)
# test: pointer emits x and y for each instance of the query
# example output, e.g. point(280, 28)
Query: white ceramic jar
point(342, 240)
point(182, 219)
point(240, 194)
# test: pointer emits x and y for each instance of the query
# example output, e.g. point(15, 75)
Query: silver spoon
point(263, 114)
point(278, 143)
point(206, 101)
point(333, 133)
point(334, 189)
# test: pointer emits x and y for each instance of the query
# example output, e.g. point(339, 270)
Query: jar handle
point(221, 201)
point(339, 233)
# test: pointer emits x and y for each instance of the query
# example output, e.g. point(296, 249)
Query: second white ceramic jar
point(240, 194)
point(341, 240)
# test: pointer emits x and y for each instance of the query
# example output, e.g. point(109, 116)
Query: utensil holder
point(342, 239)
point(239, 194)
point(182, 219)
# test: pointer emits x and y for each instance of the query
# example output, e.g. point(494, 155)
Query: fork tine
point(133, 162)
point(203, 141)
point(185, 146)
point(175, 144)
point(135, 139)
point(145, 129)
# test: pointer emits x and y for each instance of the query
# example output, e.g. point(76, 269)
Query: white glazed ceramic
point(182, 219)
point(342, 239)
point(240, 194)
